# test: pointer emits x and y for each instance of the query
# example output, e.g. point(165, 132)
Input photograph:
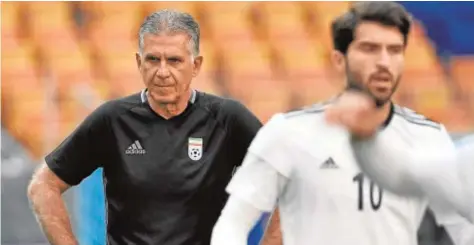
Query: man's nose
point(383, 59)
point(163, 70)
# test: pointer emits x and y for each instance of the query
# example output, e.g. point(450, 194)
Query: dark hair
point(386, 13)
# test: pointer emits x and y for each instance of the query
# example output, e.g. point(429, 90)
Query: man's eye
point(173, 60)
point(153, 58)
point(369, 48)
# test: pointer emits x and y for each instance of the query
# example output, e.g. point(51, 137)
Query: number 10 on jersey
point(375, 199)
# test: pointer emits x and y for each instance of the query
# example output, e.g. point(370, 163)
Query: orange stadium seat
point(248, 63)
point(462, 71)
point(423, 85)
point(49, 21)
point(28, 120)
point(70, 70)
point(458, 117)
point(205, 81)
point(228, 20)
point(10, 19)
point(282, 19)
point(113, 23)
point(307, 72)
point(17, 65)
point(188, 7)
point(267, 98)
point(462, 74)
point(123, 75)
point(321, 15)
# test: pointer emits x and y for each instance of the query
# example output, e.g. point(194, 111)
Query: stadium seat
point(266, 98)
point(321, 15)
point(307, 73)
point(424, 83)
point(123, 75)
point(71, 70)
point(458, 117)
point(49, 21)
point(26, 119)
point(113, 23)
point(18, 65)
point(10, 19)
point(282, 20)
point(227, 22)
point(205, 81)
point(188, 7)
point(247, 63)
point(462, 71)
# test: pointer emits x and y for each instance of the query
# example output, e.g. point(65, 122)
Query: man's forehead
point(378, 33)
point(166, 38)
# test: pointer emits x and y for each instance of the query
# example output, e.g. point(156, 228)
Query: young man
point(304, 164)
point(167, 152)
point(445, 177)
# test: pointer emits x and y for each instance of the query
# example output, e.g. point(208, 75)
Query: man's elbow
point(44, 183)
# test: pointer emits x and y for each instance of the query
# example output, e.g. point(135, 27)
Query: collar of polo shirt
point(144, 95)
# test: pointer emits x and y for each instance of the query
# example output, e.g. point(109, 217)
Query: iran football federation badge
point(195, 148)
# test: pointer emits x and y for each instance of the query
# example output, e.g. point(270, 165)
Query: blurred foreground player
point(167, 152)
point(305, 165)
point(445, 177)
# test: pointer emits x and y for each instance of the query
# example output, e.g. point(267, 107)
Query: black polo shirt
point(164, 179)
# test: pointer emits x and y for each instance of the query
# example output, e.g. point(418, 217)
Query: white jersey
point(306, 167)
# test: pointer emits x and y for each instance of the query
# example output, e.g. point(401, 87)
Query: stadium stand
point(60, 60)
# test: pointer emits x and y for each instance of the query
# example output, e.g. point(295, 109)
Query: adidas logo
point(135, 149)
point(329, 164)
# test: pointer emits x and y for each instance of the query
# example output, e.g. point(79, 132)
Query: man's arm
point(255, 187)
point(44, 193)
point(459, 228)
point(435, 173)
point(272, 234)
point(80, 154)
point(235, 223)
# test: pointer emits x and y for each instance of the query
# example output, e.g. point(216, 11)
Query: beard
point(355, 83)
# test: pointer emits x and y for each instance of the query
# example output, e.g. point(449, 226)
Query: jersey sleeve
point(243, 125)
point(447, 185)
point(266, 168)
point(257, 183)
point(430, 170)
point(83, 150)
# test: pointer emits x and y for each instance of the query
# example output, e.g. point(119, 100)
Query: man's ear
point(138, 58)
point(338, 60)
point(197, 65)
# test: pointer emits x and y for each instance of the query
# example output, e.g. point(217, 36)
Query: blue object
point(448, 24)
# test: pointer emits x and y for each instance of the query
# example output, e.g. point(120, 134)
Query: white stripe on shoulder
point(314, 108)
point(415, 118)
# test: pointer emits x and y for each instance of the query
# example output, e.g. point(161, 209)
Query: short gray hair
point(167, 20)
